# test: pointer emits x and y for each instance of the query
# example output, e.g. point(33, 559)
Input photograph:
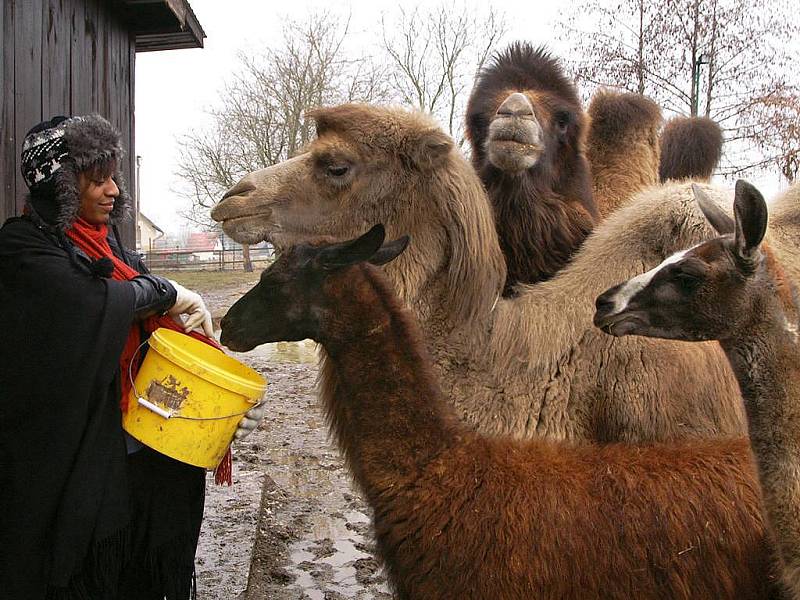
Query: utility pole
point(701, 60)
point(136, 203)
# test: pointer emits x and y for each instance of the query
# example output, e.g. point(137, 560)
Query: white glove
point(190, 303)
point(250, 420)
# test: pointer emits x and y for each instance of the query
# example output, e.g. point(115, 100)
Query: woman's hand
point(190, 303)
point(250, 420)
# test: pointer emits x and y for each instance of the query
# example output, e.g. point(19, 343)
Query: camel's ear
point(430, 147)
point(750, 211)
point(352, 252)
point(389, 251)
point(717, 217)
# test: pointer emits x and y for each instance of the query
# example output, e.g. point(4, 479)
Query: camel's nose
point(516, 105)
point(226, 208)
point(240, 189)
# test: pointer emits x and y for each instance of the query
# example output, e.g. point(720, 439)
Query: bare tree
point(434, 54)
point(259, 120)
point(779, 137)
point(725, 59)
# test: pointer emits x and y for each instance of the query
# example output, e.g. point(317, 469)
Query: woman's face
point(97, 198)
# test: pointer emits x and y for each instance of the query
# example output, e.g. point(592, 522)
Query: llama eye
point(562, 119)
point(688, 281)
point(338, 170)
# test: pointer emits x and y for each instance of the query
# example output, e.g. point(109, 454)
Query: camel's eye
point(338, 170)
point(562, 119)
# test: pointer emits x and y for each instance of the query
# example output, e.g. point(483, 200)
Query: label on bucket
point(168, 392)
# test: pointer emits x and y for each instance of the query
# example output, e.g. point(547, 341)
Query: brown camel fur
point(690, 149)
point(532, 366)
point(784, 225)
point(733, 290)
point(461, 516)
point(622, 147)
point(527, 130)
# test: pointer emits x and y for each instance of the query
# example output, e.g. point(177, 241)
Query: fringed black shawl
point(68, 491)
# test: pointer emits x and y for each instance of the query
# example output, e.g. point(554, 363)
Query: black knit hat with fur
point(55, 152)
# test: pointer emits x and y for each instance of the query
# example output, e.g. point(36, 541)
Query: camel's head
point(299, 295)
point(524, 113)
point(710, 291)
point(366, 165)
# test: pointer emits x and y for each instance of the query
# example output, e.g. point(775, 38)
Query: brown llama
point(531, 366)
point(733, 290)
point(527, 130)
point(461, 516)
point(690, 149)
point(622, 147)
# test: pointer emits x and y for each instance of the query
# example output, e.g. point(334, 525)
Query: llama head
point(524, 113)
point(703, 293)
point(291, 301)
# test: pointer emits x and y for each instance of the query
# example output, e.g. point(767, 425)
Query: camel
point(531, 366)
point(622, 147)
point(784, 225)
point(690, 149)
point(458, 515)
point(527, 130)
point(732, 289)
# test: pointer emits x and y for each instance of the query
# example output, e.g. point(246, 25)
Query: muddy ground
point(291, 527)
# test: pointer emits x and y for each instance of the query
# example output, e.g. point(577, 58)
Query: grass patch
point(208, 281)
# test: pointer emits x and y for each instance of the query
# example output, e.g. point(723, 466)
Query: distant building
point(203, 245)
point(147, 233)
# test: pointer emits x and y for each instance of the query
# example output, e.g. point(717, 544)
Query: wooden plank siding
point(8, 162)
point(62, 57)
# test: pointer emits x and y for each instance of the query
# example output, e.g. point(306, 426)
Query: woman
point(85, 510)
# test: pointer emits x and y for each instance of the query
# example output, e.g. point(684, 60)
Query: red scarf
point(93, 240)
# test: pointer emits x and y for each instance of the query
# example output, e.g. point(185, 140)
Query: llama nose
point(604, 305)
point(516, 105)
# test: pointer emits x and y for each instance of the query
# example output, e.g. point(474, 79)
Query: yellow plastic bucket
point(188, 397)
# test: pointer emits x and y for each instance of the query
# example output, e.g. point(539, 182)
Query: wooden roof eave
point(163, 24)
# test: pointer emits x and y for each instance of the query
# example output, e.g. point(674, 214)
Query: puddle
point(321, 565)
point(303, 352)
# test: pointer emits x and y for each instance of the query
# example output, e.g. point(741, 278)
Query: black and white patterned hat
point(43, 151)
point(56, 152)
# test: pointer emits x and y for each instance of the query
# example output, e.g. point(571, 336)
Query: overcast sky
point(175, 88)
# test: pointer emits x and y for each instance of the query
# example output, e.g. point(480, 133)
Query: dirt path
point(291, 513)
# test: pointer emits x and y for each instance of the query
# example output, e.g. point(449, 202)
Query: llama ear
point(717, 217)
point(389, 251)
point(352, 252)
point(750, 211)
point(430, 147)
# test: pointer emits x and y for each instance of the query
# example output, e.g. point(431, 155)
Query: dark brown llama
point(527, 130)
point(732, 289)
point(690, 149)
point(461, 516)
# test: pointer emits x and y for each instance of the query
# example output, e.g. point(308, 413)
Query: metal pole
point(138, 196)
point(701, 60)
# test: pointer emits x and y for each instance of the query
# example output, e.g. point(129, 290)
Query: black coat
point(66, 506)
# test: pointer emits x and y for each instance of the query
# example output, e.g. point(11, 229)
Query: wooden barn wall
point(67, 57)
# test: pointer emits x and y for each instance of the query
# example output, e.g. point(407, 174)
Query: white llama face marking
point(633, 286)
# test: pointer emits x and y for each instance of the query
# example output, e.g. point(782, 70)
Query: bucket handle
point(170, 414)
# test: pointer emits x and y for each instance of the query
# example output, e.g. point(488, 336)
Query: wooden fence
point(231, 259)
